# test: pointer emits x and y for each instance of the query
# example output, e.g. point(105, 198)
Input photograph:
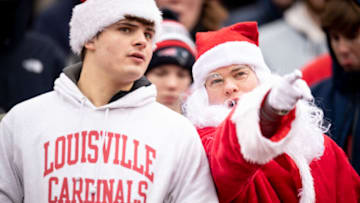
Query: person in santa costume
point(262, 133)
point(100, 135)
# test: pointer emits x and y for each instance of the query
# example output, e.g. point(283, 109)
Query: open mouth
point(231, 102)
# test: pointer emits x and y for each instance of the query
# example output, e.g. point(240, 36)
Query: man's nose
point(230, 88)
point(140, 40)
point(343, 45)
point(171, 81)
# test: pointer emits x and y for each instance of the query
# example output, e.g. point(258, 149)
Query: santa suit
point(248, 167)
point(294, 162)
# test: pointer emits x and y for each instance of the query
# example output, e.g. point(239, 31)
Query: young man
point(100, 136)
point(263, 138)
point(171, 64)
point(339, 94)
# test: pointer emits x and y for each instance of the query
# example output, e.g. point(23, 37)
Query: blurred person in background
point(171, 64)
point(197, 15)
point(261, 11)
point(294, 40)
point(339, 93)
point(262, 133)
point(30, 62)
point(54, 23)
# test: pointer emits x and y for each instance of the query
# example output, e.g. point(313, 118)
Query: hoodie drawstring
point(93, 188)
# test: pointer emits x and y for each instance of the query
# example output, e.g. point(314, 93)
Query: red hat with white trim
point(236, 44)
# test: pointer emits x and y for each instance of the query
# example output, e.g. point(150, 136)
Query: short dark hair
point(342, 16)
point(128, 17)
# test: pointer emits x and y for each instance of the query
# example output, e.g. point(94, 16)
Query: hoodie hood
point(142, 92)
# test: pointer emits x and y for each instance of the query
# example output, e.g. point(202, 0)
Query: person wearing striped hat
point(170, 67)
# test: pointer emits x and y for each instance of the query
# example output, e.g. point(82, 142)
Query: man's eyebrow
point(212, 75)
point(127, 24)
point(237, 68)
point(150, 29)
point(130, 24)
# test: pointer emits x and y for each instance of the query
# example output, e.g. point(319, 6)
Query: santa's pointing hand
point(290, 89)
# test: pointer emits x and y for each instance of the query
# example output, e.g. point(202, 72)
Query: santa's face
point(229, 83)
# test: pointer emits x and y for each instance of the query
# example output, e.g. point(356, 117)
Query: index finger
point(292, 77)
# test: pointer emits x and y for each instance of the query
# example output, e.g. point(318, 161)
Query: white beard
point(200, 113)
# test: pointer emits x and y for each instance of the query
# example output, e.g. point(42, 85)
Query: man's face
point(229, 82)
point(347, 50)
point(171, 82)
point(123, 50)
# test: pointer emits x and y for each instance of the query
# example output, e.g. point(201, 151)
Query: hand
point(284, 95)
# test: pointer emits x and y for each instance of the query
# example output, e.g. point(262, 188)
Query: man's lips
point(138, 56)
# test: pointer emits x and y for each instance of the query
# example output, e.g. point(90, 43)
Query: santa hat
point(174, 45)
point(92, 16)
point(236, 44)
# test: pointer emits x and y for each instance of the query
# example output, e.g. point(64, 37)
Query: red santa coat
point(247, 167)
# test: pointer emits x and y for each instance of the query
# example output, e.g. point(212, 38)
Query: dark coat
point(339, 97)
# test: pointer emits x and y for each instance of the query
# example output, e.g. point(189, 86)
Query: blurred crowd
point(319, 37)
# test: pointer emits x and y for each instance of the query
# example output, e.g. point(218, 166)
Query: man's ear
point(90, 45)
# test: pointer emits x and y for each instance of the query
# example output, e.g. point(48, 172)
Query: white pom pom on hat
point(93, 16)
point(236, 44)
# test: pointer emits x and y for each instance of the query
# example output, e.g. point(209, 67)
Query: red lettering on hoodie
point(119, 192)
point(89, 182)
point(77, 190)
point(108, 190)
point(59, 163)
point(117, 138)
point(83, 147)
point(69, 147)
point(50, 169)
point(106, 149)
point(64, 194)
point(143, 184)
point(65, 150)
point(129, 183)
point(135, 167)
point(94, 147)
point(52, 180)
point(149, 151)
point(128, 164)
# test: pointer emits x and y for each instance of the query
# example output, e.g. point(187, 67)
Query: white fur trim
point(200, 113)
point(229, 53)
point(304, 142)
point(255, 148)
point(93, 16)
point(307, 193)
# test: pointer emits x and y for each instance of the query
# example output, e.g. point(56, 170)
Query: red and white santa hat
point(93, 16)
point(236, 44)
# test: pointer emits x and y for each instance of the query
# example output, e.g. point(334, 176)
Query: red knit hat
point(236, 44)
